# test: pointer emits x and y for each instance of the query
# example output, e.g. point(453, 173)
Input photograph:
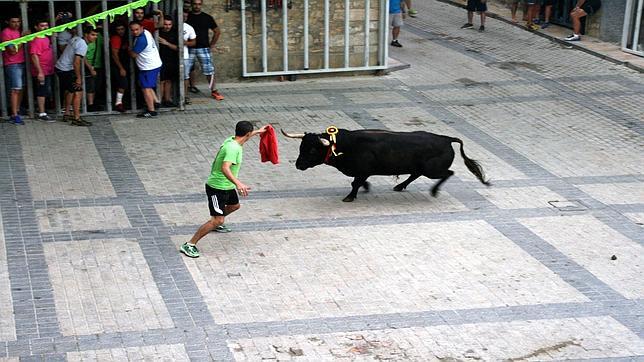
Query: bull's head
point(313, 149)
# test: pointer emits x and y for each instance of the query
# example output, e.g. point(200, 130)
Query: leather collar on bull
point(332, 131)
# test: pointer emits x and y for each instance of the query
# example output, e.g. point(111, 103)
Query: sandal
point(193, 89)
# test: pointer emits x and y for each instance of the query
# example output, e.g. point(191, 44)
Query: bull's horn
point(325, 142)
point(292, 135)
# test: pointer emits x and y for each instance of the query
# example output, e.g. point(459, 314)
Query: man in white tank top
point(145, 52)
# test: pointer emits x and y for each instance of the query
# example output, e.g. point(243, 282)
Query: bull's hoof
point(434, 193)
point(349, 199)
point(399, 188)
point(367, 186)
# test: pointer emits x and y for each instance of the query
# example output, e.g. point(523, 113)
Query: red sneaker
point(217, 96)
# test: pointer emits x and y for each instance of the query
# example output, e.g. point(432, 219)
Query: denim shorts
point(15, 75)
point(205, 59)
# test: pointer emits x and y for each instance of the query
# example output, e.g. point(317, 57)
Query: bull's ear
point(325, 142)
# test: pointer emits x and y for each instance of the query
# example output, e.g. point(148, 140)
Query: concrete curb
point(555, 39)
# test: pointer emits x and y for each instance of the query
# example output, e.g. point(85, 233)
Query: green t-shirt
point(230, 151)
point(94, 54)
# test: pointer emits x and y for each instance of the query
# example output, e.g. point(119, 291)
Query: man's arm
point(77, 69)
point(89, 67)
point(117, 60)
point(190, 43)
point(225, 168)
point(215, 36)
point(159, 21)
point(36, 63)
point(163, 41)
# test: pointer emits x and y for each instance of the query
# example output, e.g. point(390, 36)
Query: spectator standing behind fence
point(146, 54)
point(94, 70)
point(395, 13)
point(203, 25)
point(479, 6)
point(42, 68)
point(120, 60)
point(68, 70)
point(14, 66)
point(169, 52)
point(147, 21)
point(581, 10)
point(189, 40)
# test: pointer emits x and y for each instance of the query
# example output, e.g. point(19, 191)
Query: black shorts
point(170, 70)
point(476, 5)
point(43, 89)
point(66, 79)
point(219, 199)
point(591, 6)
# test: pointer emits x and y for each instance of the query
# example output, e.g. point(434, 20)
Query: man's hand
point(41, 77)
point(263, 129)
point(243, 189)
point(92, 71)
point(163, 41)
point(122, 72)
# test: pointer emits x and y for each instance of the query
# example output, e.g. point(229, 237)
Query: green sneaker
point(189, 250)
point(223, 229)
point(413, 13)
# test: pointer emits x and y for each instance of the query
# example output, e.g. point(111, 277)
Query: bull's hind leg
point(443, 178)
point(403, 185)
point(355, 185)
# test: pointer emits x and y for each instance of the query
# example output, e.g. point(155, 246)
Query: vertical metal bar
point(182, 89)
point(306, 34)
point(25, 48)
point(243, 38)
point(264, 39)
point(106, 60)
point(382, 28)
point(133, 105)
point(3, 91)
point(326, 34)
point(155, 7)
point(638, 23)
point(285, 34)
point(627, 23)
point(346, 33)
point(79, 32)
point(367, 11)
point(54, 40)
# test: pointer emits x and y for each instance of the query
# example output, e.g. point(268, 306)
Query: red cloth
point(268, 146)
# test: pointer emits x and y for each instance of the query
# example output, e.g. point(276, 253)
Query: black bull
point(364, 153)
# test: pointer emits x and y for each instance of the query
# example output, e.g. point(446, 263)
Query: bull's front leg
point(355, 185)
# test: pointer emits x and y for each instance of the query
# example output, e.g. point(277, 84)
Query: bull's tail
point(472, 165)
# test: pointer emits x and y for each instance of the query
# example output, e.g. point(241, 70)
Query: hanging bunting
point(92, 20)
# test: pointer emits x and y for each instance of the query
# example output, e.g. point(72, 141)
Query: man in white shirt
point(68, 69)
point(148, 60)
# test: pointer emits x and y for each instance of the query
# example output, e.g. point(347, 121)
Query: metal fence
point(79, 8)
point(633, 33)
point(366, 63)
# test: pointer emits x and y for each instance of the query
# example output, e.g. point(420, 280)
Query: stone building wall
point(228, 56)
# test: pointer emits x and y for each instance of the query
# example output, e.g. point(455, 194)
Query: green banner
point(92, 20)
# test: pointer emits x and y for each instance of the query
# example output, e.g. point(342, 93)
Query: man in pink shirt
point(42, 69)
point(14, 66)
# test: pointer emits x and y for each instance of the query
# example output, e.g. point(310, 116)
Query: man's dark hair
point(242, 128)
point(89, 29)
point(168, 17)
point(134, 22)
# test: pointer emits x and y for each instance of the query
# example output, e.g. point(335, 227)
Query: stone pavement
point(91, 219)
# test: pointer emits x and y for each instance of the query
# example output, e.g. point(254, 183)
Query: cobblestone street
point(546, 264)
